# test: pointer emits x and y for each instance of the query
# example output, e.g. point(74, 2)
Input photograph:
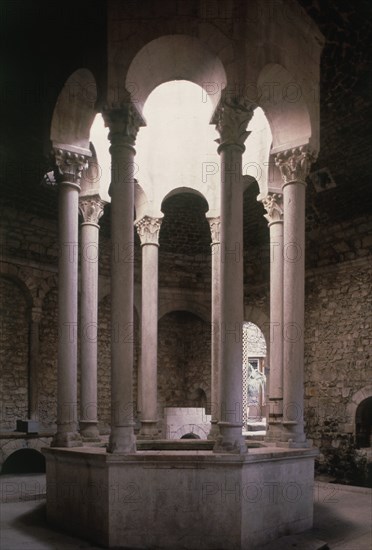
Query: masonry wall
point(13, 354)
point(338, 337)
point(184, 368)
point(337, 316)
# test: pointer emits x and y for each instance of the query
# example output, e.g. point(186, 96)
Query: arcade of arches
point(177, 276)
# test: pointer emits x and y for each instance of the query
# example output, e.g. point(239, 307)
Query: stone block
point(28, 426)
point(175, 500)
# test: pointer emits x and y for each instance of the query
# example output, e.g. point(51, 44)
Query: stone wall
point(184, 372)
point(48, 360)
point(14, 341)
point(337, 316)
point(338, 341)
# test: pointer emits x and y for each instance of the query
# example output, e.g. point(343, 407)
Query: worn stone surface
point(184, 372)
point(13, 354)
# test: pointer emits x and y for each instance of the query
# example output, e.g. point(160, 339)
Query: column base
point(66, 439)
point(122, 440)
point(230, 440)
point(89, 431)
point(149, 430)
point(293, 436)
point(214, 431)
point(275, 432)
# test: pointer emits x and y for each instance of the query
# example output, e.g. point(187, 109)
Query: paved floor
point(342, 519)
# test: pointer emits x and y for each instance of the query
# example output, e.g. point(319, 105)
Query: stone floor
point(342, 519)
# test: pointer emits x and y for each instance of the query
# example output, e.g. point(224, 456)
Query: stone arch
point(14, 274)
point(255, 315)
point(24, 461)
point(188, 430)
point(356, 399)
point(74, 111)
point(179, 190)
point(175, 57)
point(140, 201)
point(284, 107)
point(185, 303)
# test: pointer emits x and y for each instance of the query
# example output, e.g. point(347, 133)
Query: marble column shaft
point(69, 167)
point(273, 204)
point(215, 224)
point(231, 118)
point(91, 209)
point(124, 122)
point(33, 398)
point(294, 166)
point(148, 230)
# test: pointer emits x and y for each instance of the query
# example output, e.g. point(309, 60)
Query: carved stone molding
point(273, 204)
point(69, 165)
point(231, 118)
point(215, 225)
point(124, 121)
point(294, 164)
point(148, 230)
point(91, 209)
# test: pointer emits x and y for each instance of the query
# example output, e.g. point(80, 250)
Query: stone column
point(215, 224)
point(231, 118)
point(91, 208)
point(294, 166)
point(69, 167)
point(148, 230)
point(33, 396)
point(273, 204)
point(124, 122)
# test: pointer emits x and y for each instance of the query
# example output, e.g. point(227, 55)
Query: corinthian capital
point(148, 230)
point(215, 225)
point(124, 121)
point(231, 118)
point(273, 204)
point(70, 164)
point(294, 164)
point(91, 209)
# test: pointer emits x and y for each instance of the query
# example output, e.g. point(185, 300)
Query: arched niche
point(184, 372)
point(24, 461)
point(75, 110)
point(352, 408)
point(174, 57)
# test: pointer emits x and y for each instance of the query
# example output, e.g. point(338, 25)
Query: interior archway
point(363, 424)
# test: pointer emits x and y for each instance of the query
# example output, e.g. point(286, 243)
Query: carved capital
point(148, 230)
point(69, 165)
point(273, 204)
point(91, 209)
point(294, 164)
point(215, 225)
point(124, 121)
point(231, 118)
